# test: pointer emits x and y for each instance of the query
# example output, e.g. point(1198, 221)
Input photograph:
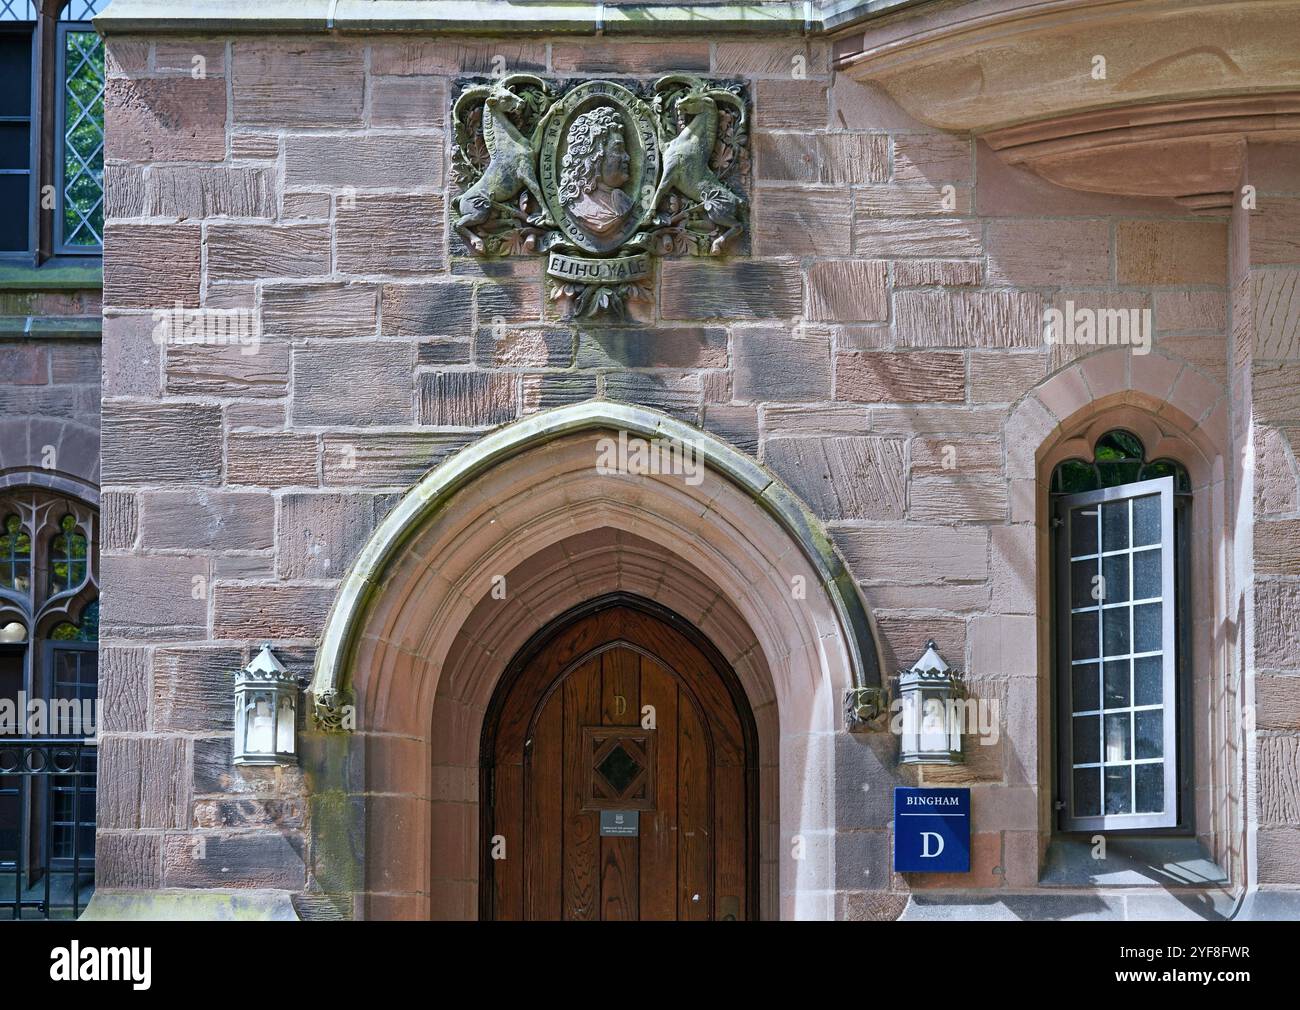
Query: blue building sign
point(931, 830)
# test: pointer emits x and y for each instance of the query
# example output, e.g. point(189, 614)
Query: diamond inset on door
point(620, 774)
point(619, 769)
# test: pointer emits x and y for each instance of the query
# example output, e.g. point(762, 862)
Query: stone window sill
point(1131, 861)
point(62, 273)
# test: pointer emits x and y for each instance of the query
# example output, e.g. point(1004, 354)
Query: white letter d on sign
point(925, 844)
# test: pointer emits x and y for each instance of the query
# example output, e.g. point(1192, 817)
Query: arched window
point(1118, 527)
point(49, 631)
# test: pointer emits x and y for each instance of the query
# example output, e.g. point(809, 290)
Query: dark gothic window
point(49, 632)
point(51, 129)
point(1118, 525)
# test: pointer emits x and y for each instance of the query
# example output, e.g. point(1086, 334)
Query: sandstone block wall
point(886, 318)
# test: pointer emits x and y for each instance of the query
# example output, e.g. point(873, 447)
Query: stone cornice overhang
point(1186, 83)
point(491, 17)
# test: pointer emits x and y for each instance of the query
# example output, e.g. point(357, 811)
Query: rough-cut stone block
point(911, 200)
point(467, 399)
point(128, 859)
point(1048, 253)
point(408, 101)
point(931, 237)
point(260, 369)
point(1276, 305)
point(123, 689)
point(938, 273)
point(207, 520)
point(1279, 779)
point(440, 351)
point(214, 774)
point(509, 299)
point(322, 534)
point(541, 392)
point(153, 598)
point(782, 58)
point(776, 364)
point(249, 813)
point(1276, 392)
point(968, 318)
point(416, 56)
point(124, 191)
point(271, 459)
point(545, 347)
point(404, 160)
point(843, 478)
point(791, 104)
point(316, 206)
point(151, 266)
point(320, 310)
point(353, 384)
point(935, 501)
point(1279, 856)
point(153, 120)
point(1171, 252)
point(894, 377)
point(126, 57)
point(246, 252)
point(1277, 624)
point(672, 392)
point(1277, 702)
point(932, 158)
point(311, 84)
point(752, 290)
point(999, 377)
point(143, 783)
point(191, 688)
point(385, 460)
point(663, 347)
point(1177, 311)
point(843, 290)
point(912, 555)
point(74, 363)
point(189, 192)
point(735, 424)
point(271, 859)
point(936, 456)
point(807, 221)
point(118, 520)
point(426, 310)
point(602, 57)
point(1277, 547)
point(270, 611)
point(411, 227)
point(25, 365)
point(1275, 232)
point(161, 443)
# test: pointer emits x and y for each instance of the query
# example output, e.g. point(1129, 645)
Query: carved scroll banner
point(601, 176)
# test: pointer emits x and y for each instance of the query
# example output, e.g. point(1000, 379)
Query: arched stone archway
point(418, 639)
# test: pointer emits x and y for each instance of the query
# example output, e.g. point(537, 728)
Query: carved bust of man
point(594, 170)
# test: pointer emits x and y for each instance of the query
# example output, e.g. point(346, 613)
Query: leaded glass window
point(82, 120)
point(17, 111)
point(17, 10)
point(81, 10)
point(15, 555)
point(68, 557)
point(1117, 602)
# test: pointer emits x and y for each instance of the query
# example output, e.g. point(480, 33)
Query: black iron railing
point(47, 826)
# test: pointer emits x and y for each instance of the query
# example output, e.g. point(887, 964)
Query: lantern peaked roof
point(930, 661)
point(265, 663)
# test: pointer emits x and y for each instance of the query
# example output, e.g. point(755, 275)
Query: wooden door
point(624, 713)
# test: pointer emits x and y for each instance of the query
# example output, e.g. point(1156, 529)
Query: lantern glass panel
point(285, 726)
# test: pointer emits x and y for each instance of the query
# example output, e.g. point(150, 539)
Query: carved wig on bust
point(594, 169)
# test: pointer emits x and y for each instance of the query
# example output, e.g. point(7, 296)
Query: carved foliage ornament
point(600, 177)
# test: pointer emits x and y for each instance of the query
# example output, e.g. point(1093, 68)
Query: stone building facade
point(864, 372)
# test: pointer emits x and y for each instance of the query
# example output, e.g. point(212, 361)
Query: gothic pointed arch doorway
point(619, 768)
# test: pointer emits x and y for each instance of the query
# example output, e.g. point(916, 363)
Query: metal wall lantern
point(930, 695)
point(266, 712)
